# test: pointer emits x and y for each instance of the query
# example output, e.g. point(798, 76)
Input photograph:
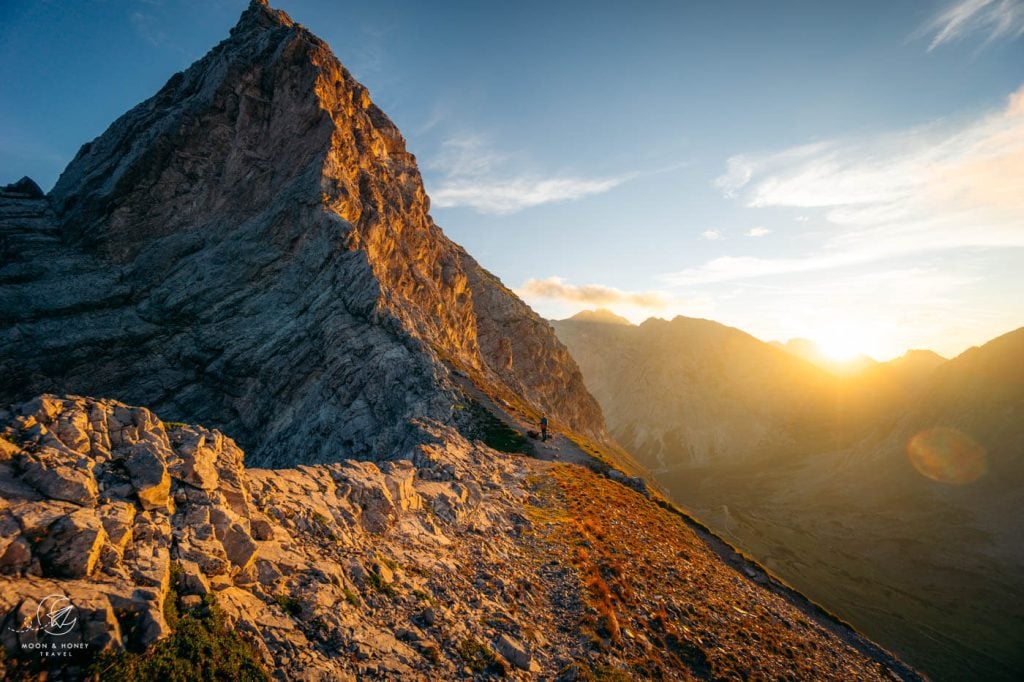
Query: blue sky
point(849, 172)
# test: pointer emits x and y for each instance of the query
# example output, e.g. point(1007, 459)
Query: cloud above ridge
point(933, 188)
point(475, 175)
point(995, 19)
point(590, 294)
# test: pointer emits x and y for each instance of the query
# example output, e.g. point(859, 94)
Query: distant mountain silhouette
point(809, 351)
point(601, 315)
point(868, 491)
point(689, 391)
point(911, 366)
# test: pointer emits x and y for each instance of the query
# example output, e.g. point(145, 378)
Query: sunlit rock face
point(114, 514)
point(459, 562)
point(251, 248)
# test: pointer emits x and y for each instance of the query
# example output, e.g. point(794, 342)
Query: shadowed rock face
point(252, 248)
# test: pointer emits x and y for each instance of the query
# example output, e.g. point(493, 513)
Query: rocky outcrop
point(457, 562)
point(26, 188)
point(252, 248)
point(164, 496)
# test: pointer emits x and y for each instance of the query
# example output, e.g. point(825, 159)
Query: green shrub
point(495, 433)
point(288, 604)
point(377, 583)
point(201, 647)
point(479, 658)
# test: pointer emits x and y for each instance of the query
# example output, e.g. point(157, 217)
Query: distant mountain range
point(917, 362)
point(688, 392)
point(891, 494)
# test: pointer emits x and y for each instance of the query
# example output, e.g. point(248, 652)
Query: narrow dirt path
point(556, 448)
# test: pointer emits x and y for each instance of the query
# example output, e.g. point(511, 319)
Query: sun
point(845, 341)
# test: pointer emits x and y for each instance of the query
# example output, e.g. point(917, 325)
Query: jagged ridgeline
point(252, 248)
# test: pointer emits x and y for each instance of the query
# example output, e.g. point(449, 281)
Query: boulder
point(26, 188)
point(239, 546)
point(71, 546)
point(197, 463)
point(192, 581)
point(516, 653)
point(16, 556)
point(399, 480)
point(59, 479)
point(149, 476)
point(118, 519)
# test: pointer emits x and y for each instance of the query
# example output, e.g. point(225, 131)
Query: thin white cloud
point(727, 268)
point(475, 175)
point(740, 169)
point(515, 194)
point(590, 294)
point(994, 19)
point(711, 235)
point(148, 28)
point(893, 309)
point(934, 188)
point(468, 155)
point(757, 232)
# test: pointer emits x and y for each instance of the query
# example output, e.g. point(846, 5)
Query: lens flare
point(947, 455)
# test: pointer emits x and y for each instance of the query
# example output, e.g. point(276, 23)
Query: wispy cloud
point(590, 294)
point(727, 268)
point(475, 175)
point(711, 235)
point(757, 232)
point(933, 188)
point(892, 308)
point(468, 155)
point(148, 28)
point(993, 19)
point(515, 194)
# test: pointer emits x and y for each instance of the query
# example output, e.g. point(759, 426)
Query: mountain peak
point(255, 235)
point(922, 355)
point(600, 315)
point(26, 188)
point(260, 15)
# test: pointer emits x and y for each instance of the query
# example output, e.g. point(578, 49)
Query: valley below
point(948, 601)
point(810, 474)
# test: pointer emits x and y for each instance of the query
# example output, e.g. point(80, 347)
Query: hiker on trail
point(544, 427)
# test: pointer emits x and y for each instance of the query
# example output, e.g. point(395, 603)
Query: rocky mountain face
point(252, 248)
point(458, 562)
point(906, 525)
